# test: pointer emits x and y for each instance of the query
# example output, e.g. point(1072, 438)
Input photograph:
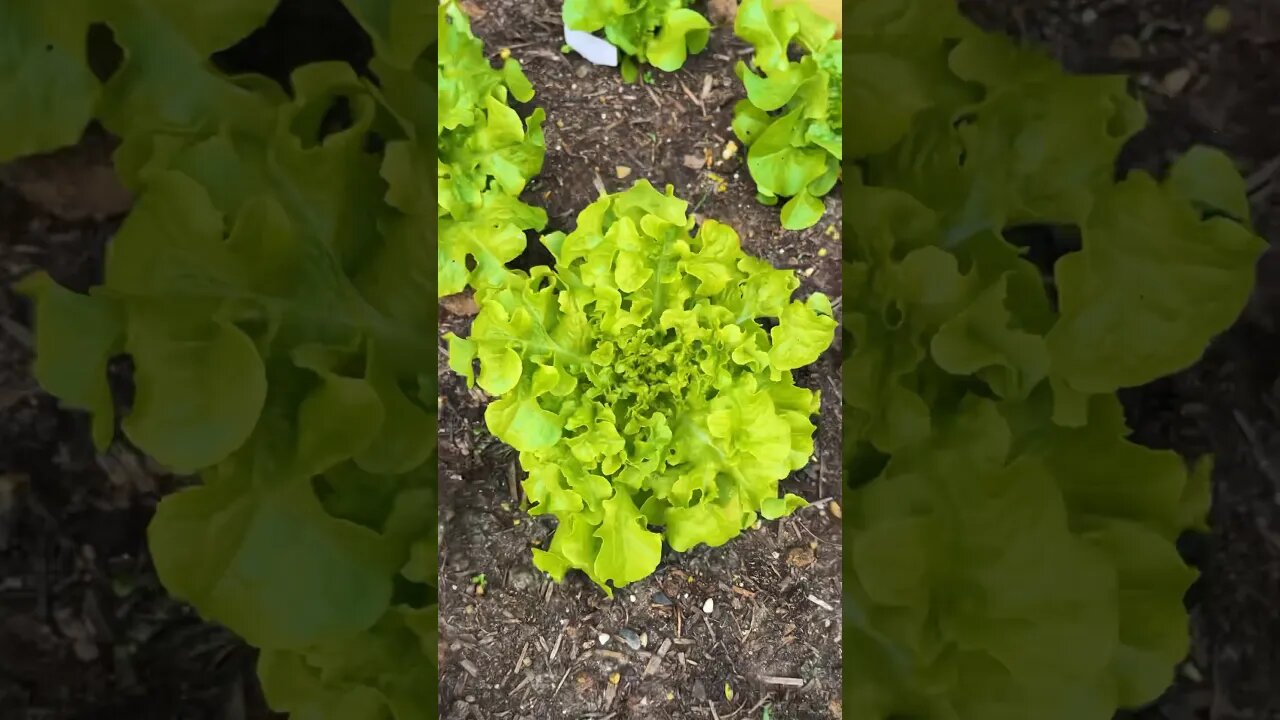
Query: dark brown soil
point(1228, 403)
point(527, 648)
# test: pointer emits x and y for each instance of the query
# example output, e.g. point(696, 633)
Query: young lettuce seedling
point(792, 118)
point(661, 33)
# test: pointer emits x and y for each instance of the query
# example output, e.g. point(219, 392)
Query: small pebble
point(1176, 81)
point(604, 638)
point(1089, 16)
point(1218, 20)
point(709, 606)
point(630, 637)
point(1125, 47)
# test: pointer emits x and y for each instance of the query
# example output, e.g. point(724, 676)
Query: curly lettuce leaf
point(995, 597)
point(792, 118)
point(661, 33)
point(163, 81)
point(277, 311)
point(401, 29)
point(45, 79)
point(998, 509)
point(487, 154)
point(645, 398)
point(1154, 282)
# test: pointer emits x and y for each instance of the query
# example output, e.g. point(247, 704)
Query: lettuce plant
point(792, 119)
point(486, 156)
point(636, 381)
point(1009, 552)
point(661, 33)
point(272, 288)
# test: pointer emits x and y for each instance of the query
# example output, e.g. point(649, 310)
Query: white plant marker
point(596, 50)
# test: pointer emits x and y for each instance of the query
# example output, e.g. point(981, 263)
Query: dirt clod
point(801, 557)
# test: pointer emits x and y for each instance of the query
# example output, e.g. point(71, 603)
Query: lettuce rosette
point(644, 395)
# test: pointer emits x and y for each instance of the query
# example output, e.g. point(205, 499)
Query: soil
point(528, 648)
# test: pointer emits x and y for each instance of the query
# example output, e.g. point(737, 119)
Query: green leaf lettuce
point(645, 398)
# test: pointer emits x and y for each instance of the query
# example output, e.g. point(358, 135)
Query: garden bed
point(527, 648)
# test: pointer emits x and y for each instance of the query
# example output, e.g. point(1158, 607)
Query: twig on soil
point(1258, 179)
point(710, 629)
point(707, 80)
point(652, 95)
point(819, 503)
point(784, 681)
point(714, 715)
point(656, 660)
point(13, 396)
point(562, 679)
point(759, 704)
point(19, 333)
point(520, 660)
point(743, 707)
point(692, 97)
point(752, 626)
point(822, 470)
point(805, 528)
point(1259, 454)
point(737, 624)
point(546, 54)
point(820, 603)
point(515, 46)
point(556, 648)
